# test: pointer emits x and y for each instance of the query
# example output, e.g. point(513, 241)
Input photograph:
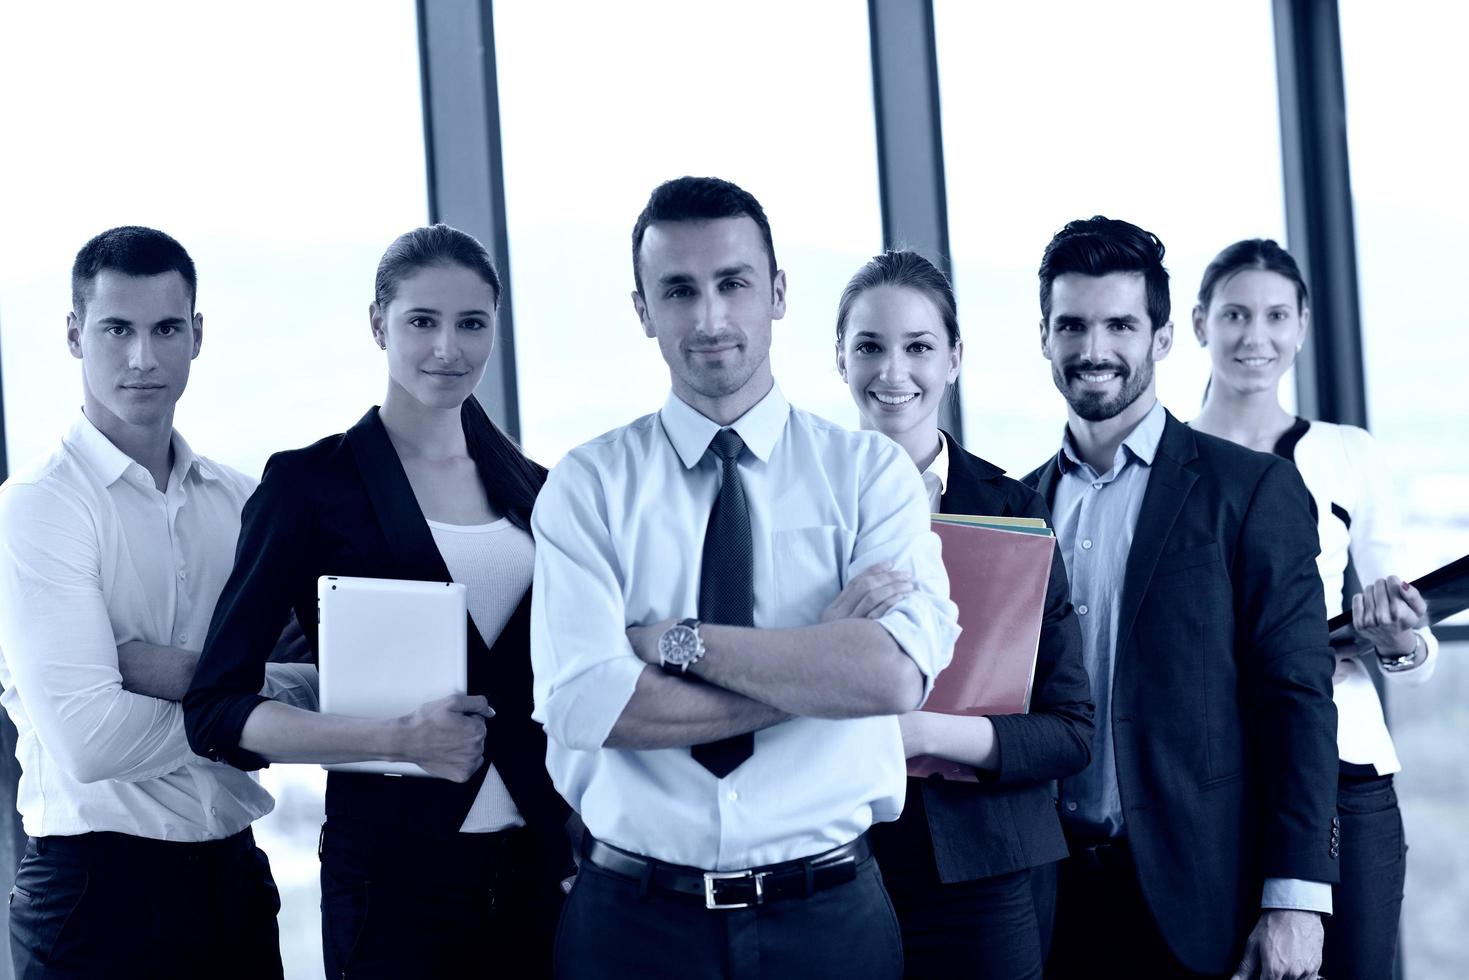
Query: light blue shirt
point(619, 531)
point(1095, 516)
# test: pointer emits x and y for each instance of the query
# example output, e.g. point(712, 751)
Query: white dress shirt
point(93, 556)
point(1357, 518)
point(619, 531)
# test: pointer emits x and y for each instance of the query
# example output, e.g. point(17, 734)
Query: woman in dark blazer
point(957, 862)
point(419, 876)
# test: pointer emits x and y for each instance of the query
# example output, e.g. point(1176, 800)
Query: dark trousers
point(117, 906)
point(612, 929)
point(1103, 927)
point(1362, 932)
point(984, 929)
point(400, 905)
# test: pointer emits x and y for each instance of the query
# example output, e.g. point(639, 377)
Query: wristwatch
point(680, 646)
point(1394, 662)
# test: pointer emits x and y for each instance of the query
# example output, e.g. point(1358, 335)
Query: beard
point(1096, 406)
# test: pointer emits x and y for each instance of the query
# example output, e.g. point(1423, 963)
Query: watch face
point(679, 645)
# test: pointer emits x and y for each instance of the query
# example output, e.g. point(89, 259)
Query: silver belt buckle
point(710, 877)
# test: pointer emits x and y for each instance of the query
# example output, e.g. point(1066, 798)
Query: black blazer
point(1222, 718)
point(1008, 821)
point(344, 506)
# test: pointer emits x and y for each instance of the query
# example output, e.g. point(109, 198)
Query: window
point(774, 96)
point(1404, 93)
point(1160, 113)
point(282, 144)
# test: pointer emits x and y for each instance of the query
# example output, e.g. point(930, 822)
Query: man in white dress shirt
point(720, 710)
point(113, 551)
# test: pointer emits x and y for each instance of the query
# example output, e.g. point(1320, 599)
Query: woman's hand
point(447, 737)
point(1385, 612)
point(869, 595)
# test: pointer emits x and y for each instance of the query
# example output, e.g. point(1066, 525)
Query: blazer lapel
point(410, 542)
point(1046, 479)
point(1169, 484)
point(970, 488)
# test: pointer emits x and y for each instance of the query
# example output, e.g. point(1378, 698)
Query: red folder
point(998, 578)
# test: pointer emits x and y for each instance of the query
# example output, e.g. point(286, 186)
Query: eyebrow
point(685, 278)
point(910, 335)
point(432, 312)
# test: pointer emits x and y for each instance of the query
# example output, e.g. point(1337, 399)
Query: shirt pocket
point(808, 569)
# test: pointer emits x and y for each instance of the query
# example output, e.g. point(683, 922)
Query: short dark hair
point(1252, 253)
point(908, 269)
point(131, 250)
point(1099, 246)
point(424, 247)
point(699, 199)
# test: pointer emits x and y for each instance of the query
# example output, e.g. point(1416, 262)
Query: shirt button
point(1096, 486)
point(183, 638)
point(732, 796)
point(1086, 545)
point(1071, 805)
point(1081, 609)
point(183, 574)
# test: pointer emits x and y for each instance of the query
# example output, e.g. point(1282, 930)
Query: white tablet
point(385, 647)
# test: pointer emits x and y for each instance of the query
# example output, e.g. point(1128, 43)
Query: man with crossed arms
point(113, 551)
point(719, 710)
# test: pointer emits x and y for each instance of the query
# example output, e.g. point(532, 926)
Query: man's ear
point(74, 335)
point(1045, 341)
point(641, 307)
point(1162, 341)
point(198, 334)
point(778, 295)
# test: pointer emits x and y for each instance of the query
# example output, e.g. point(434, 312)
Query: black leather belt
point(735, 889)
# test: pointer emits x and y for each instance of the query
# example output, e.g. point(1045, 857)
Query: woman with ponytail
point(420, 877)
point(1252, 317)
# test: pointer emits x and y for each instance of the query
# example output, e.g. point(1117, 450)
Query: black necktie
point(727, 582)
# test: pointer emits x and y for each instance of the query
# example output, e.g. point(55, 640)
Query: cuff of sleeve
point(1298, 894)
point(225, 734)
point(926, 635)
point(580, 713)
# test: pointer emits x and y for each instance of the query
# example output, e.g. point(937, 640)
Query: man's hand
point(644, 640)
point(1385, 613)
point(869, 595)
point(1285, 945)
point(447, 737)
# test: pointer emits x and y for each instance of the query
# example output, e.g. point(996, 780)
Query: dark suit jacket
point(1008, 821)
point(344, 506)
point(1222, 718)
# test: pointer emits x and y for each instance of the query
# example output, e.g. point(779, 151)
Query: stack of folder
point(999, 569)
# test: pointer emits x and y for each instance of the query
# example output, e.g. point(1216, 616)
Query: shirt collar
point(940, 465)
point(110, 463)
point(690, 432)
point(1141, 443)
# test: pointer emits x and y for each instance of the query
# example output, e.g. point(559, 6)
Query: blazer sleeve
point(1281, 622)
point(255, 603)
point(1055, 739)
